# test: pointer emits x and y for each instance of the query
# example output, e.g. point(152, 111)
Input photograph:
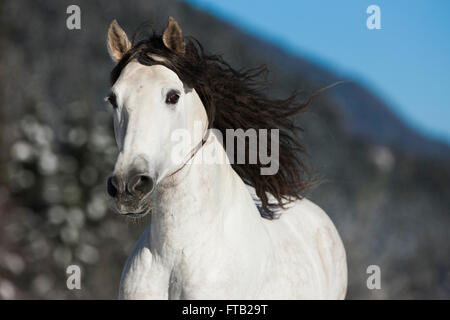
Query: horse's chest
point(203, 277)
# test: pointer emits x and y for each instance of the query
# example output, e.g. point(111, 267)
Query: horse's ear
point(118, 43)
point(173, 37)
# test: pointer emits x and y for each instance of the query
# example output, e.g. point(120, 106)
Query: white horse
point(206, 239)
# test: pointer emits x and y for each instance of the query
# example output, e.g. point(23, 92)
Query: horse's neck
point(203, 203)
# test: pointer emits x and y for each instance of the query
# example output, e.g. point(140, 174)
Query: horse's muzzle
point(131, 193)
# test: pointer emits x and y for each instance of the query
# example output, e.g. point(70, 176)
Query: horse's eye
point(172, 98)
point(112, 100)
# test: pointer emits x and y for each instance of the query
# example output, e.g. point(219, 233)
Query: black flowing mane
point(235, 99)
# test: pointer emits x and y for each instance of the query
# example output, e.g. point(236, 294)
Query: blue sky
point(407, 62)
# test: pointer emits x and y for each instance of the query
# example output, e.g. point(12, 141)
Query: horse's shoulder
point(307, 207)
point(327, 242)
point(312, 216)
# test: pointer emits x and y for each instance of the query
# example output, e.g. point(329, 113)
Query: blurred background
point(380, 144)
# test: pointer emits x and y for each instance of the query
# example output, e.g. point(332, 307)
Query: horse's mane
point(235, 99)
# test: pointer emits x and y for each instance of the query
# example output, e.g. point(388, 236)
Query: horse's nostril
point(140, 184)
point(112, 186)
